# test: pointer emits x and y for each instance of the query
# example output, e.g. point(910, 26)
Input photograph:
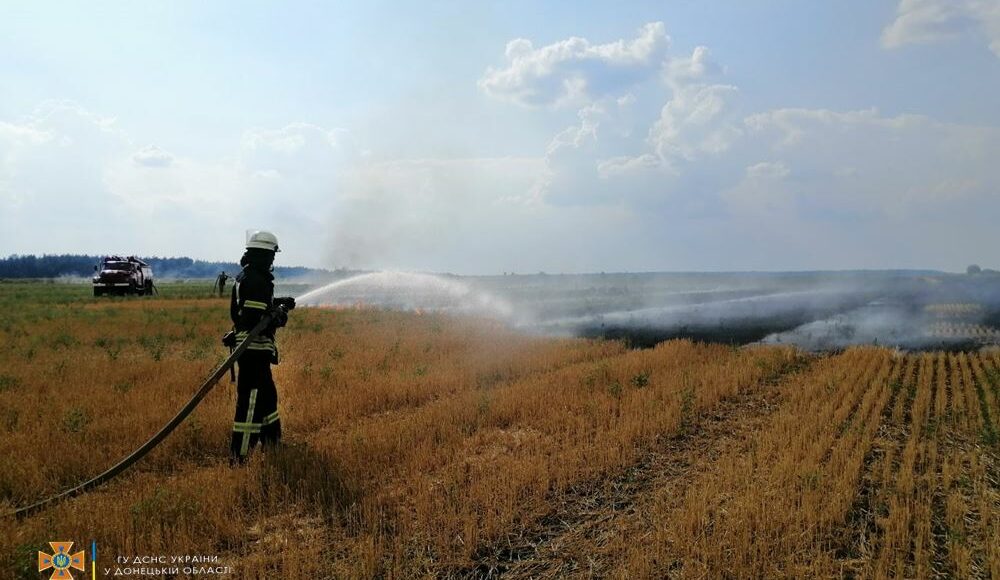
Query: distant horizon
point(279, 265)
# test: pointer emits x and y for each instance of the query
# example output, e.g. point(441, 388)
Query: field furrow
point(757, 492)
point(598, 522)
point(866, 531)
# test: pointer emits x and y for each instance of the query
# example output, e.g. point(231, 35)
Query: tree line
point(81, 265)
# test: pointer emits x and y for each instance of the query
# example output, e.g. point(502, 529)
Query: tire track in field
point(571, 539)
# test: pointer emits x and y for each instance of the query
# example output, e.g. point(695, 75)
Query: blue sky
point(489, 137)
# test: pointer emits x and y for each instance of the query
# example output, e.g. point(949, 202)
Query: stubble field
point(434, 446)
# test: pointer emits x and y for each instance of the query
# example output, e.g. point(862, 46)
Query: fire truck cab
point(118, 275)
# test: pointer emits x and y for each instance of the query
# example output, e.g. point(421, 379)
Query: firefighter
point(220, 281)
point(256, 419)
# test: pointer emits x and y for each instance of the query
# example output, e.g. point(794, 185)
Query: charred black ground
point(913, 310)
point(820, 311)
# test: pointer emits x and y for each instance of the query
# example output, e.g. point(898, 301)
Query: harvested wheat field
point(436, 446)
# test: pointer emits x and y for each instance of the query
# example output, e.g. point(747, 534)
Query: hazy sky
point(509, 136)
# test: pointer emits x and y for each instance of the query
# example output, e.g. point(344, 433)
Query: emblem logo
point(60, 561)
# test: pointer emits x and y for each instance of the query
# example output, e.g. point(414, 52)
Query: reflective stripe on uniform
point(255, 304)
point(246, 435)
point(273, 417)
point(246, 427)
point(258, 342)
point(263, 347)
point(243, 334)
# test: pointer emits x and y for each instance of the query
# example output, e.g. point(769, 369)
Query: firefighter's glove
point(279, 318)
point(229, 339)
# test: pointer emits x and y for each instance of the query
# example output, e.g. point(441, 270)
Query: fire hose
point(160, 435)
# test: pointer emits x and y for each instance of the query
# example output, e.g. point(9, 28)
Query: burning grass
point(417, 441)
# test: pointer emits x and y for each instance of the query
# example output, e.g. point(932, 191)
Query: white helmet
point(263, 240)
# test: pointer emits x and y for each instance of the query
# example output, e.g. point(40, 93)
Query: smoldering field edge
point(919, 310)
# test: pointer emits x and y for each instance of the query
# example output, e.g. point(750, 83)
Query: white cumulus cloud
point(926, 21)
point(605, 158)
point(696, 121)
point(699, 66)
point(575, 69)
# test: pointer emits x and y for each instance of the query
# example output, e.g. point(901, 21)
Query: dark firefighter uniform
point(256, 417)
point(220, 282)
